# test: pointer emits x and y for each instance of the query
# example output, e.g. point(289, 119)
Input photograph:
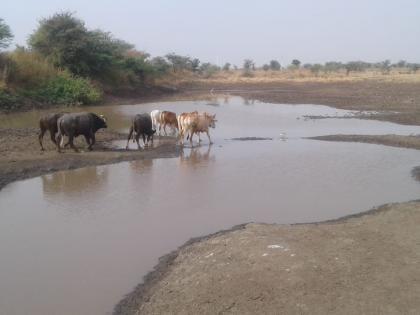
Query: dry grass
point(301, 75)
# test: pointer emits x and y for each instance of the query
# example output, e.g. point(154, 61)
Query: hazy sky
point(232, 30)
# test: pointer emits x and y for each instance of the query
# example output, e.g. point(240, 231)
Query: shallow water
point(75, 242)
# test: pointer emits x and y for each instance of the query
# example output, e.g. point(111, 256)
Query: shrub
point(69, 90)
point(8, 101)
point(275, 65)
point(29, 70)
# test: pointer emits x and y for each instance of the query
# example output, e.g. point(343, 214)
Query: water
point(75, 242)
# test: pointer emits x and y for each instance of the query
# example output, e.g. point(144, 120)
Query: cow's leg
point(92, 142)
point(160, 127)
point(164, 129)
point(208, 135)
point(144, 139)
point(57, 143)
point(130, 133)
point(137, 140)
point(87, 138)
point(41, 136)
point(71, 138)
point(191, 138)
point(62, 141)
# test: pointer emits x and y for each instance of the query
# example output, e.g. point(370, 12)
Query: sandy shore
point(364, 264)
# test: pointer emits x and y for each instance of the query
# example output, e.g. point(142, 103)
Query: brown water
point(75, 242)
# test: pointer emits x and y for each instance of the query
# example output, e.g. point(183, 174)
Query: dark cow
point(48, 122)
point(141, 125)
point(75, 124)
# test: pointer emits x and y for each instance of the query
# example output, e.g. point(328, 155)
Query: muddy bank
point(366, 264)
point(21, 157)
point(366, 95)
point(409, 142)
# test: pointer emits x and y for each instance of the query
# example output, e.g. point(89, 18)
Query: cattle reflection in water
point(75, 182)
point(196, 156)
point(141, 165)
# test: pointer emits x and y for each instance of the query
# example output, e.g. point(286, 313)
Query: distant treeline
point(66, 63)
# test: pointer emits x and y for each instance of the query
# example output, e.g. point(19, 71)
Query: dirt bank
point(409, 142)
point(367, 264)
point(21, 157)
point(373, 95)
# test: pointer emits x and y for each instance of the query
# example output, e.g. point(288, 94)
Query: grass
point(300, 75)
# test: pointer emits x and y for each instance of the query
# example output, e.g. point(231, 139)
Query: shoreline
point(142, 294)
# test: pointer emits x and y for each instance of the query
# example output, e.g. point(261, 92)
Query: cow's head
point(100, 122)
point(150, 135)
point(212, 120)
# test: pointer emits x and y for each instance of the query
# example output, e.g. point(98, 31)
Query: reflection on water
point(75, 242)
point(66, 182)
point(196, 155)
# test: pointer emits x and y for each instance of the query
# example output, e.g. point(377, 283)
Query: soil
point(363, 264)
point(397, 102)
point(409, 142)
point(21, 157)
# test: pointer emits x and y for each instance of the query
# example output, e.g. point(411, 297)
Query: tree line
point(64, 62)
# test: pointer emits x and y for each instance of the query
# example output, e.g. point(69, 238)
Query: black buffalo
point(48, 122)
point(75, 124)
point(141, 125)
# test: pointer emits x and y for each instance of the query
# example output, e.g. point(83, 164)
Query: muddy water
point(75, 242)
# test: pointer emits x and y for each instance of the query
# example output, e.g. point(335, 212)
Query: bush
point(69, 90)
point(28, 69)
point(8, 101)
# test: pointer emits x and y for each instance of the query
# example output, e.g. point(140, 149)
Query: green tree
point(266, 67)
point(6, 35)
point(66, 41)
point(179, 62)
point(160, 65)
point(226, 66)
point(275, 65)
point(386, 66)
point(248, 67)
point(296, 63)
point(316, 68)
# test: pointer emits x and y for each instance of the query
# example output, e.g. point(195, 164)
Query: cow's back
point(76, 123)
point(142, 124)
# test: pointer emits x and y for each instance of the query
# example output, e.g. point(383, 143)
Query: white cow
point(156, 122)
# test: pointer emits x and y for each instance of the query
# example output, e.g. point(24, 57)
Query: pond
point(75, 242)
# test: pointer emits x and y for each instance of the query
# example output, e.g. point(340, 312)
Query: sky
point(232, 30)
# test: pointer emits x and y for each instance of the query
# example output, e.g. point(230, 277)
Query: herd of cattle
point(145, 125)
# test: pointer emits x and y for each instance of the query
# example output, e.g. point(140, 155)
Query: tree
point(386, 66)
point(275, 65)
point(248, 67)
point(331, 66)
point(179, 62)
point(208, 69)
point(401, 64)
point(226, 66)
point(266, 67)
point(316, 68)
point(6, 35)
point(161, 65)
point(355, 66)
point(195, 64)
point(296, 63)
point(66, 41)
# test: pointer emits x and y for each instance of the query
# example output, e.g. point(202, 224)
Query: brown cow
point(168, 118)
point(194, 123)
